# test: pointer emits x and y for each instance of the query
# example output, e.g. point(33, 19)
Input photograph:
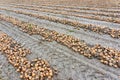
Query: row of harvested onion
point(107, 56)
point(37, 69)
point(114, 33)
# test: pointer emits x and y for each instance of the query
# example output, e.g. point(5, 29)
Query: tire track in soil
point(61, 60)
point(8, 72)
point(86, 36)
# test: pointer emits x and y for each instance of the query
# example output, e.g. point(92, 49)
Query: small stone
point(119, 63)
point(70, 78)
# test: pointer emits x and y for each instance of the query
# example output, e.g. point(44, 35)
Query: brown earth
point(91, 3)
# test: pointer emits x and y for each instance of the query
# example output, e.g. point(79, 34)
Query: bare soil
point(90, 3)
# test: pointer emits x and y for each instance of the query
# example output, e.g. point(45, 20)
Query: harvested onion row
point(37, 69)
point(96, 15)
point(107, 56)
point(72, 7)
point(80, 8)
point(66, 12)
point(99, 29)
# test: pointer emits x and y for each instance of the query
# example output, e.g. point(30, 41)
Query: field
point(59, 40)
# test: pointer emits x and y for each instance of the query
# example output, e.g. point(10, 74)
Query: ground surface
point(70, 65)
point(93, 3)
